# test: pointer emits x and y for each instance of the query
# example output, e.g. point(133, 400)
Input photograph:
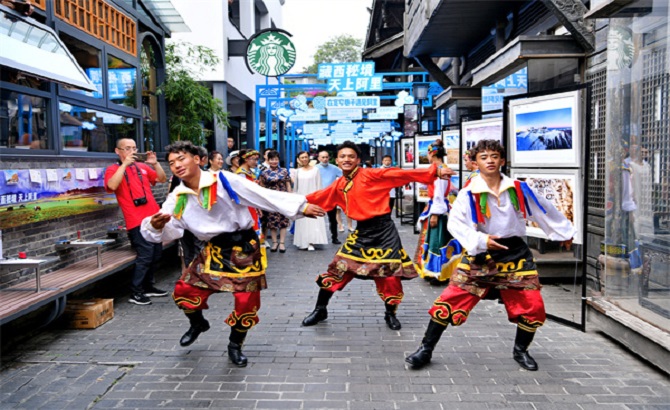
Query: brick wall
point(38, 239)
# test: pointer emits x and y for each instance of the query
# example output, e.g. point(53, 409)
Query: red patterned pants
point(524, 307)
point(244, 315)
point(389, 288)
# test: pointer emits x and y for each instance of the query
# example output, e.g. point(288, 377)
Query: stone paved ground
point(352, 361)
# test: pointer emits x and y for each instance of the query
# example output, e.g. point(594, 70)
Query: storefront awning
point(168, 15)
point(517, 52)
point(33, 48)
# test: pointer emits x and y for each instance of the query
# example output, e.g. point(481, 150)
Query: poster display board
point(411, 123)
point(545, 131)
point(452, 146)
point(562, 189)
point(421, 150)
point(406, 155)
point(36, 195)
point(487, 129)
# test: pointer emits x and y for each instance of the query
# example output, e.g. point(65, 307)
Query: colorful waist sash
point(373, 250)
point(230, 262)
point(513, 268)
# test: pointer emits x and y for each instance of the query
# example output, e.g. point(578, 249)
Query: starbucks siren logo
point(270, 53)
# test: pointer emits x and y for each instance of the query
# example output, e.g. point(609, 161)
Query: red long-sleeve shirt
point(365, 192)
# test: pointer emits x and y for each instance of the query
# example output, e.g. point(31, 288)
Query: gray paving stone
point(352, 361)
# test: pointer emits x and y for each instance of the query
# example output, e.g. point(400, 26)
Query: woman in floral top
point(278, 179)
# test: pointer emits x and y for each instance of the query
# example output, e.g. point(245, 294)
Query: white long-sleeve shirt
point(505, 220)
point(225, 215)
point(440, 190)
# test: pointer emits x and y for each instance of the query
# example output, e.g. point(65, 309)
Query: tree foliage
point(190, 104)
point(339, 49)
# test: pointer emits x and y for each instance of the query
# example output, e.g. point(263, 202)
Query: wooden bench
point(17, 300)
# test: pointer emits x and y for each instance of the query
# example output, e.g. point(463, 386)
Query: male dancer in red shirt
point(373, 250)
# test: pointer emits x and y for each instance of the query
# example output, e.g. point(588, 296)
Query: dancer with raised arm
point(214, 207)
point(373, 250)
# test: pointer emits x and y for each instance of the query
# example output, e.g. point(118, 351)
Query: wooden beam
point(571, 14)
point(427, 63)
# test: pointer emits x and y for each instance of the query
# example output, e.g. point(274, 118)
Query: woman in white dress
point(306, 179)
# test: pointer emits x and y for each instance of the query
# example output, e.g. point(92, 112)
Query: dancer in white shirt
point(214, 207)
point(488, 219)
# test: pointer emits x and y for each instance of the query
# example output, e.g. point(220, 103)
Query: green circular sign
point(270, 53)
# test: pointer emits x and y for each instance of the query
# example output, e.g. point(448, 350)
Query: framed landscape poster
point(421, 149)
point(421, 192)
point(545, 131)
point(559, 187)
point(411, 123)
point(452, 147)
point(406, 156)
point(474, 131)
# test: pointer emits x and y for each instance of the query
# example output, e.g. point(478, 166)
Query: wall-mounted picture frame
point(411, 122)
point(560, 187)
point(421, 144)
point(421, 192)
point(487, 129)
point(545, 131)
point(452, 148)
point(406, 155)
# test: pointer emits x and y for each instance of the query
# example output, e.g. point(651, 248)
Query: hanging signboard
point(385, 113)
point(270, 53)
point(358, 84)
point(305, 116)
point(315, 128)
point(335, 114)
point(350, 76)
point(492, 95)
point(352, 102)
point(327, 71)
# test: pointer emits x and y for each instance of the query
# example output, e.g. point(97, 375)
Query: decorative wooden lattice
point(596, 196)
point(101, 20)
point(40, 4)
point(656, 122)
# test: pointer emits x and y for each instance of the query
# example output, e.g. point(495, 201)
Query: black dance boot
point(520, 352)
point(391, 321)
point(235, 348)
point(423, 355)
point(198, 325)
point(320, 312)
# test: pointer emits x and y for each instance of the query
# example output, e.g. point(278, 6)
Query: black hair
point(186, 147)
point(273, 154)
point(487, 145)
point(387, 156)
point(351, 145)
point(438, 146)
point(297, 165)
point(202, 152)
point(214, 154)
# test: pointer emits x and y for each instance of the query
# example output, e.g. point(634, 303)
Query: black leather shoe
point(524, 359)
point(392, 321)
point(336, 241)
point(318, 315)
point(192, 333)
point(236, 356)
point(421, 357)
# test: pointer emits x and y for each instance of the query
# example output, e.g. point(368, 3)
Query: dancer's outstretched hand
point(312, 211)
point(446, 172)
point(159, 220)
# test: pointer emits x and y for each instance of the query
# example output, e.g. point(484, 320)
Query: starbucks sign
point(270, 53)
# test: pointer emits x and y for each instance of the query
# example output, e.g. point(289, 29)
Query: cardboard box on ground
point(88, 314)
